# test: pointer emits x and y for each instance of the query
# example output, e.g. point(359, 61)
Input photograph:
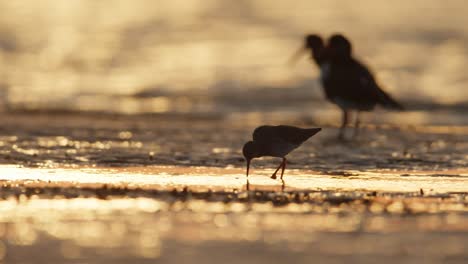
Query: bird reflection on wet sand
point(247, 184)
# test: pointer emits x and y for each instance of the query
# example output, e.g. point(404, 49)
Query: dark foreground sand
point(170, 189)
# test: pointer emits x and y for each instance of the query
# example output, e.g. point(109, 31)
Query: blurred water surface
point(209, 56)
point(170, 188)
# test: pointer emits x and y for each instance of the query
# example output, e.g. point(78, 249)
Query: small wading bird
point(346, 82)
point(276, 141)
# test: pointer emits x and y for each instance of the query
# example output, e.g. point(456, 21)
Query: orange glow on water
point(203, 178)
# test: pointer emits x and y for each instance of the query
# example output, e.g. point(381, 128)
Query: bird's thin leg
point(273, 176)
point(356, 125)
point(284, 167)
point(343, 125)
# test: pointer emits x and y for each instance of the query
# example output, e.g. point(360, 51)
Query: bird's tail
point(312, 131)
point(387, 101)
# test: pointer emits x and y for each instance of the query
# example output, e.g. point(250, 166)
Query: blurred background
point(123, 121)
point(203, 56)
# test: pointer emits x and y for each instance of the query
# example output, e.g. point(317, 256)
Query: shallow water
point(171, 189)
point(170, 230)
point(114, 140)
point(173, 214)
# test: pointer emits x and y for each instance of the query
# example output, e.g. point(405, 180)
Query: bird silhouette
point(347, 82)
point(276, 141)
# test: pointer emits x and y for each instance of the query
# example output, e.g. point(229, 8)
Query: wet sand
point(98, 188)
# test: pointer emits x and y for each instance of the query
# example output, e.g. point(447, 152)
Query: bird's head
point(313, 43)
point(250, 151)
point(339, 46)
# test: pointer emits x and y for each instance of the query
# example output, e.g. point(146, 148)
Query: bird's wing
point(371, 86)
point(263, 133)
point(387, 101)
point(283, 133)
point(363, 76)
point(356, 83)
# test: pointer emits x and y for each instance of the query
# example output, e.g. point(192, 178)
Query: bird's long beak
point(248, 166)
point(297, 55)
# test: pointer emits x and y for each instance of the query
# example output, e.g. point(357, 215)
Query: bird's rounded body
point(276, 141)
point(278, 149)
point(351, 86)
point(346, 82)
point(325, 69)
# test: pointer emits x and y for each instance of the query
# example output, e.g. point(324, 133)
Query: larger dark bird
point(347, 82)
point(276, 141)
